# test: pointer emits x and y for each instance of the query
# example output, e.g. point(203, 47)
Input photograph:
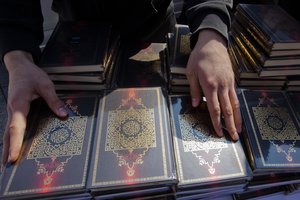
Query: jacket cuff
point(213, 21)
point(16, 39)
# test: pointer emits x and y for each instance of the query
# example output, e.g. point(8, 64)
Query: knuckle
point(46, 85)
point(228, 111)
point(216, 111)
point(236, 105)
point(211, 84)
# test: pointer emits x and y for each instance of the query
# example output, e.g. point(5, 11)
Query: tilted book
point(55, 156)
point(77, 46)
point(273, 25)
point(202, 158)
point(143, 66)
point(272, 131)
point(179, 48)
point(132, 147)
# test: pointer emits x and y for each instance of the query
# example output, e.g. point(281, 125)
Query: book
point(133, 145)
point(256, 65)
point(257, 51)
point(273, 25)
point(271, 131)
point(204, 160)
point(52, 148)
point(179, 48)
point(78, 46)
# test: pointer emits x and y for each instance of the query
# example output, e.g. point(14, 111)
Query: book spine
point(258, 53)
point(253, 30)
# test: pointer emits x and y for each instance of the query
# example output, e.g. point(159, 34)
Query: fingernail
point(62, 111)
point(235, 136)
point(194, 102)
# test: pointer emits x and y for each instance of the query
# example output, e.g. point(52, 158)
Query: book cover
point(272, 130)
point(279, 29)
point(179, 48)
point(132, 145)
point(202, 158)
point(55, 155)
point(79, 46)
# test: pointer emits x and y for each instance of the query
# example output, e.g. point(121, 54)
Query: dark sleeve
point(21, 26)
point(208, 14)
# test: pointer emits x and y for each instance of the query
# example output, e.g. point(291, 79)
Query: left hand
point(209, 68)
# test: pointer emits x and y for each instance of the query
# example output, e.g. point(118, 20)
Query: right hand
point(26, 83)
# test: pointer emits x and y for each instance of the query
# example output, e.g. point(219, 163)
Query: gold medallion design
point(58, 141)
point(58, 138)
point(130, 132)
point(185, 44)
point(275, 125)
point(197, 139)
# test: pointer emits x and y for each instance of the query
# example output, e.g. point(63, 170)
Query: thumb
point(55, 104)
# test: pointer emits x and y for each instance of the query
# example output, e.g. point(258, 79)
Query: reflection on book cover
point(197, 139)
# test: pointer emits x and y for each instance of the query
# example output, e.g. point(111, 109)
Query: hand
point(209, 68)
point(26, 83)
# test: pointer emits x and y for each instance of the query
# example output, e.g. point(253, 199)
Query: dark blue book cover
point(55, 154)
point(272, 130)
point(202, 158)
point(133, 144)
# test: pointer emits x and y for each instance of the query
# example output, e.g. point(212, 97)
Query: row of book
point(264, 45)
point(140, 143)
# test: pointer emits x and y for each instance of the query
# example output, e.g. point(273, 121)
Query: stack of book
point(207, 166)
point(178, 54)
point(271, 137)
point(264, 45)
point(115, 145)
point(293, 83)
point(81, 55)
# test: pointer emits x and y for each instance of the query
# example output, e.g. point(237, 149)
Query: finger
point(214, 111)
point(228, 114)
point(49, 95)
point(236, 110)
point(195, 89)
point(16, 130)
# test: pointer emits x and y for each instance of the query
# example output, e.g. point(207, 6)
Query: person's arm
point(209, 66)
point(21, 33)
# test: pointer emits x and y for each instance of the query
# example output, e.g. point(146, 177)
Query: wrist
point(17, 58)
point(207, 35)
